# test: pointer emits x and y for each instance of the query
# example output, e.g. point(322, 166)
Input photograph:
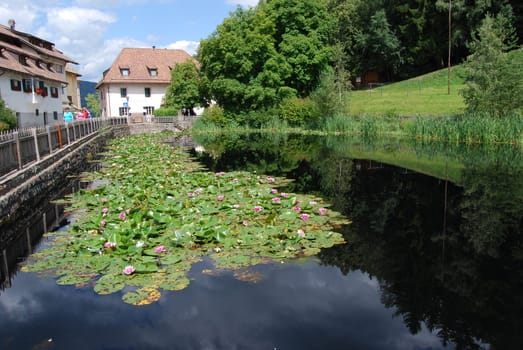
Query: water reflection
point(446, 255)
point(432, 262)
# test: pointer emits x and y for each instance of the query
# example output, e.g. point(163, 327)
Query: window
point(124, 71)
point(59, 68)
point(123, 111)
point(153, 72)
point(22, 59)
point(16, 85)
point(54, 92)
point(55, 114)
point(147, 92)
point(149, 110)
point(28, 85)
point(123, 92)
point(37, 112)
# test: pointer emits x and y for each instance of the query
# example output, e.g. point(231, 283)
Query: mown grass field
point(424, 95)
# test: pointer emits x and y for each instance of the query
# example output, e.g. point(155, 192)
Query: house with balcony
point(136, 82)
point(32, 77)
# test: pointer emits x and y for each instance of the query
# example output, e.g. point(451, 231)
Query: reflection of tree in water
point(446, 281)
point(463, 280)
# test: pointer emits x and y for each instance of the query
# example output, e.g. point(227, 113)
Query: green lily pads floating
point(155, 212)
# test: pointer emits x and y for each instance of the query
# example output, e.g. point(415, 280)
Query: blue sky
point(92, 32)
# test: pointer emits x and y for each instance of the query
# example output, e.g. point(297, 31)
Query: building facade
point(32, 77)
point(136, 82)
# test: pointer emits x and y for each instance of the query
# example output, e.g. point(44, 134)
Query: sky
point(93, 32)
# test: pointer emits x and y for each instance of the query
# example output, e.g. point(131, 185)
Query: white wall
point(22, 102)
point(136, 98)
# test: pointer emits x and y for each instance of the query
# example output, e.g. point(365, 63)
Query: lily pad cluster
point(155, 212)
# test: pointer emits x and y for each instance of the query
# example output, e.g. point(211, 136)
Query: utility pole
point(450, 41)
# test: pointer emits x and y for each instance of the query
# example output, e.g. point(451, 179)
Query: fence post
point(18, 149)
point(49, 141)
point(35, 137)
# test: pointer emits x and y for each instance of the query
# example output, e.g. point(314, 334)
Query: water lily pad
point(142, 296)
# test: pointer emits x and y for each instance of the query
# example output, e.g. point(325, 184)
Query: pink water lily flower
point(276, 200)
point(305, 217)
point(103, 223)
point(296, 209)
point(109, 244)
point(190, 195)
point(129, 270)
point(160, 249)
point(284, 194)
point(122, 216)
point(270, 179)
point(274, 191)
point(245, 223)
point(313, 202)
point(236, 206)
point(301, 233)
point(105, 211)
point(220, 197)
point(257, 209)
point(104, 200)
point(198, 191)
point(323, 211)
point(220, 173)
point(234, 181)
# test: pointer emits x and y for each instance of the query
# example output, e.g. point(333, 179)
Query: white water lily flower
point(140, 244)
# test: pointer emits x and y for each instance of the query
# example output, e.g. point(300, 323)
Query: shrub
point(297, 112)
point(166, 112)
point(7, 117)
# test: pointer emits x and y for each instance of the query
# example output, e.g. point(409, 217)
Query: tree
point(259, 56)
point(7, 117)
point(494, 85)
point(184, 88)
point(93, 104)
point(381, 49)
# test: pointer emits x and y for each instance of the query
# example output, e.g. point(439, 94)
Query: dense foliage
point(183, 91)
point(259, 56)
point(93, 104)
point(7, 117)
point(494, 82)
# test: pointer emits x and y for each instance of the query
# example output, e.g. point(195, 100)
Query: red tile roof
point(14, 44)
point(140, 61)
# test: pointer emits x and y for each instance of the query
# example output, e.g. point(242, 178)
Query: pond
point(433, 260)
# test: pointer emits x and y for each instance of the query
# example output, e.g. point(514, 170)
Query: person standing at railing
point(68, 116)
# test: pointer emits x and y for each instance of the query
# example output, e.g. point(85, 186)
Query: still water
point(433, 260)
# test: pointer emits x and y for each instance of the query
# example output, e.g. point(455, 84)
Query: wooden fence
point(21, 147)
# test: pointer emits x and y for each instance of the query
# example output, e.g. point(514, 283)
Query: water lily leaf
point(142, 296)
point(75, 279)
point(109, 284)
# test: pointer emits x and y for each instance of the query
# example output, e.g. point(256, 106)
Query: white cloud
point(244, 3)
point(189, 46)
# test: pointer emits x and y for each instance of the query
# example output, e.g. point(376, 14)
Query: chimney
point(11, 23)
point(154, 47)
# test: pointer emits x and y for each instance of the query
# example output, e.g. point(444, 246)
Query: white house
point(136, 82)
point(32, 77)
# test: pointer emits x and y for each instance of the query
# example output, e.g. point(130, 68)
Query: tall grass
point(469, 128)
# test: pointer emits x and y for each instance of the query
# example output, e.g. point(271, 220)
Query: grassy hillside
point(423, 95)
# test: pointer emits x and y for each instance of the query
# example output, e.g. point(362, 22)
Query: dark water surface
point(433, 260)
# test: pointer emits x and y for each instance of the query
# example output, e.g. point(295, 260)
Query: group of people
point(69, 116)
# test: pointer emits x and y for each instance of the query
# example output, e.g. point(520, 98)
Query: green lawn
point(423, 95)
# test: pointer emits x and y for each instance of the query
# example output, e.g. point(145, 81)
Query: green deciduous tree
point(494, 85)
point(259, 56)
point(93, 104)
point(7, 117)
point(184, 89)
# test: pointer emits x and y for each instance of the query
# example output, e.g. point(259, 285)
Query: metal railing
point(22, 147)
